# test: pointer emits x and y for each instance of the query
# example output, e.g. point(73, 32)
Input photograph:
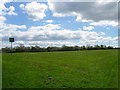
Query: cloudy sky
point(53, 23)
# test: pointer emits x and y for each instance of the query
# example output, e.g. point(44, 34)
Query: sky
point(53, 23)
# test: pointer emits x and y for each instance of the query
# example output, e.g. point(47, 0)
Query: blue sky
point(58, 23)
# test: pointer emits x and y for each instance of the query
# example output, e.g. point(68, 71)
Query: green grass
point(75, 69)
point(0, 71)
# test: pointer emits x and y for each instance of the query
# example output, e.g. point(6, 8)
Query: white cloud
point(6, 30)
point(6, 11)
point(52, 34)
point(88, 28)
point(115, 39)
point(2, 19)
point(35, 11)
point(47, 27)
point(104, 23)
point(51, 43)
point(49, 21)
point(80, 19)
point(11, 11)
point(16, 26)
point(101, 33)
point(22, 6)
point(2, 7)
point(85, 11)
point(99, 1)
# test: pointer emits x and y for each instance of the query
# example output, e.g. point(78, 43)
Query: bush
point(22, 48)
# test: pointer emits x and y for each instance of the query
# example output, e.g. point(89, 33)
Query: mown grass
point(0, 71)
point(74, 69)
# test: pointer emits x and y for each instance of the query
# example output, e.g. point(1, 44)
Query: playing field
point(73, 69)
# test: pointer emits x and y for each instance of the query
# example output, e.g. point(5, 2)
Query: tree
point(51, 49)
point(20, 48)
point(6, 49)
point(76, 48)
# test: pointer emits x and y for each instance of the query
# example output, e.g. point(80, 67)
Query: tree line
point(22, 48)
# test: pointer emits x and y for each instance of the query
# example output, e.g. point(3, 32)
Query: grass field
point(0, 71)
point(74, 69)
